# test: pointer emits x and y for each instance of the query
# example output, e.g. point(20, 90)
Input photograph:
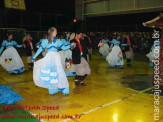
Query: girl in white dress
point(48, 71)
point(10, 59)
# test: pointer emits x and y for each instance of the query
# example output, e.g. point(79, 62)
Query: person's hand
point(24, 46)
point(101, 44)
point(33, 60)
point(73, 44)
point(144, 24)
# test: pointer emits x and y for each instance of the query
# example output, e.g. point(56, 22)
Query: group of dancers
point(113, 54)
point(60, 57)
point(63, 56)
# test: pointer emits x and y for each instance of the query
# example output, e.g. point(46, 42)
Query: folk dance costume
point(48, 71)
point(85, 45)
point(69, 68)
point(80, 64)
point(104, 49)
point(29, 49)
point(151, 55)
point(38, 46)
point(115, 57)
point(128, 51)
point(10, 59)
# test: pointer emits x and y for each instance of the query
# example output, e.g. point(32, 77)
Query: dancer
point(89, 47)
point(83, 42)
point(10, 59)
point(29, 49)
point(104, 48)
point(80, 64)
point(115, 57)
point(151, 56)
point(69, 68)
point(128, 49)
point(48, 71)
point(45, 36)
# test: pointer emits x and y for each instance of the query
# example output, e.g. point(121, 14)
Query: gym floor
point(110, 95)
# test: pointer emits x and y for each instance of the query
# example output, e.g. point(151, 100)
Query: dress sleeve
point(112, 43)
point(41, 48)
point(2, 47)
point(16, 44)
point(124, 45)
point(62, 46)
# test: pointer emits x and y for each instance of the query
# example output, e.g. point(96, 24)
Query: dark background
point(60, 13)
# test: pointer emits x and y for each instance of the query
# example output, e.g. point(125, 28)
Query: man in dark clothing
point(81, 66)
point(84, 43)
point(128, 49)
point(29, 49)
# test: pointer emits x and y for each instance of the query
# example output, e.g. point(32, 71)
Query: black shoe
point(82, 84)
point(85, 76)
point(30, 68)
point(77, 83)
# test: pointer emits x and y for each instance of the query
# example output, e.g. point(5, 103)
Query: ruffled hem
point(7, 96)
point(116, 66)
point(63, 90)
point(70, 74)
point(17, 71)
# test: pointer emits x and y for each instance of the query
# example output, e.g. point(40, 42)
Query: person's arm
point(2, 47)
point(38, 43)
point(124, 45)
point(61, 45)
point(112, 43)
point(41, 48)
point(152, 48)
point(16, 44)
point(124, 42)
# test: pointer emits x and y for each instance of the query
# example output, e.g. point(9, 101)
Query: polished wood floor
point(111, 95)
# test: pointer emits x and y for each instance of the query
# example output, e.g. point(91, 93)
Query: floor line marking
point(107, 104)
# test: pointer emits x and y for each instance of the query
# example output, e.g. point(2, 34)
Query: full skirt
point(48, 72)
point(11, 61)
point(115, 57)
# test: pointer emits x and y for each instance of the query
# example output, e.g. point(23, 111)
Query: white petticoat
point(66, 61)
point(62, 56)
point(11, 61)
point(69, 67)
point(48, 72)
point(115, 57)
point(151, 54)
point(104, 50)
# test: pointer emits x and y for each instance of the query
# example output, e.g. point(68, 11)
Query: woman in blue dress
point(10, 59)
point(115, 57)
point(153, 52)
point(45, 36)
point(69, 68)
point(48, 71)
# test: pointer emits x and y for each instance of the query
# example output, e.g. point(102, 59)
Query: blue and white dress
point(38, 45)
point(68, 64)
point(10, 59)
point(115, 57)
point(154, 52)
point(104, 50)
point(48, 71)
